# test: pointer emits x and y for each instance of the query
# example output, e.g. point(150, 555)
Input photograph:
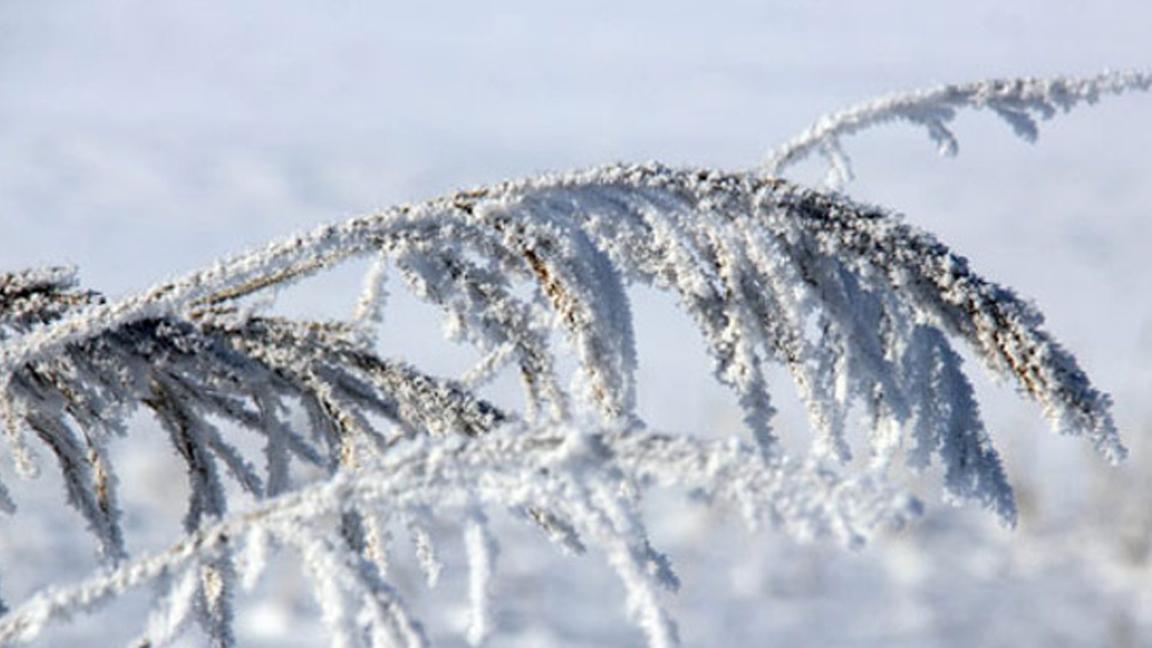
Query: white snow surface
point(141, 140)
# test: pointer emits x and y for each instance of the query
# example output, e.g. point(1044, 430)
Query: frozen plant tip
point(1019, 102)
point(862, 309)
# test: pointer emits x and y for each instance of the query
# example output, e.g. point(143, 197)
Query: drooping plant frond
point(1021, 102)
point(863, 310)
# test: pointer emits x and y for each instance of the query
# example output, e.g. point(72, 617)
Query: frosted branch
point(1019, 102)
point(506, 470)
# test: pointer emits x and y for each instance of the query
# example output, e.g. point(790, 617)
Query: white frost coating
point(862, 309)
point(1019, 102)
point(369, 310)
point(254, 559)
point(424, 546)
point(321, 558)
point(631, 563)
point(481, 549)
point(26, 461)
point(504, 469)
point(213, 606)
point(173, 612)
point(378, 542)
point(946, 420)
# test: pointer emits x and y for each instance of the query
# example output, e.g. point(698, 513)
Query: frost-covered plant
point(862, 309)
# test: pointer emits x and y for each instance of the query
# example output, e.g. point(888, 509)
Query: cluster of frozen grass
point(861, 309)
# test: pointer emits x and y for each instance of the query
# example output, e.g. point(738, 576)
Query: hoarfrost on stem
point(1020, 102)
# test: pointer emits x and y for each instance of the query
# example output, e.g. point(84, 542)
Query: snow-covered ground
point(140, 140)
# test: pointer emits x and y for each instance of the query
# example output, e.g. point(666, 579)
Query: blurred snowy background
point(140, 140)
